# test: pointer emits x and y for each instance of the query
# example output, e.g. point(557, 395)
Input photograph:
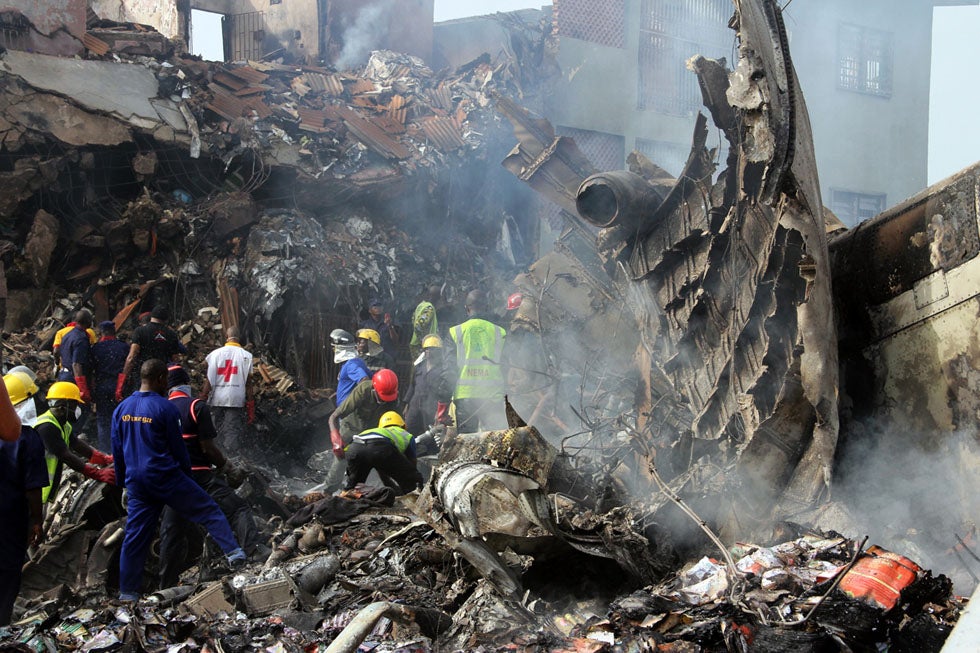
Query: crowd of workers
point(164, 444)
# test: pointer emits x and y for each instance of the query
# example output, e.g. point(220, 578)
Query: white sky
point(954, 127)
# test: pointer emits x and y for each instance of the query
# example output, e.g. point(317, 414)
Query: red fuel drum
point(879, 577)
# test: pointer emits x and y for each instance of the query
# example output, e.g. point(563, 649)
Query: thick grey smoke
point(361, 37)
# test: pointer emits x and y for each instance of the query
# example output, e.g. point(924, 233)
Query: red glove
point(101, 474)
point(120, 383)
point(83, 388)
point(250, 411)
point(442, 413)
point(99, 458)
point(338, 444)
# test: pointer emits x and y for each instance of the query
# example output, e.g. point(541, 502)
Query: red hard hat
point(385, 384)
point(514, 301)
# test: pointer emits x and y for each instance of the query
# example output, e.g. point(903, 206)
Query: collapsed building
point(286, 194)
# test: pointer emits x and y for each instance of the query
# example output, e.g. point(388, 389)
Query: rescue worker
point(57, 343)
point(9, 420)
point(381, 322)
point(22, 476)
point(390, 450)
point(153, 464)
point(75, 349)
point(61, 442)
point(353, 368)
point(479, 350)
point(228, 389)
point(153, 340)
point(108, 361)
point(424, 320)
point(22, 392)
point(427, 399)
point(369, 348)
point(361, 410)
point(213, 472)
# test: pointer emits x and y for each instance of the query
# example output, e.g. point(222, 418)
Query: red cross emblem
point(227, 370)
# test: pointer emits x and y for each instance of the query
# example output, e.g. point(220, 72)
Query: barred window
point(865, 60)
point(598, 22)
point(671, 32)
point(854, 208)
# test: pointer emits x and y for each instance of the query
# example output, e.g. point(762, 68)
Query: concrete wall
point(58, 26)
point(865, 143)
point(161, 14)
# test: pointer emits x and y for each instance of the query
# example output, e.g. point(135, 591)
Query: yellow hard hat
point(431, 341)
point(64, 390)
point(391, 418)
point(369, 334)
point(18, 386)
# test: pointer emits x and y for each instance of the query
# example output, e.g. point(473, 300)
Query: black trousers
point(178, 537)
point(9, 588)
point(395, 470)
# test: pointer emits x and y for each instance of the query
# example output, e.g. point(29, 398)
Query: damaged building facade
point(674, 374)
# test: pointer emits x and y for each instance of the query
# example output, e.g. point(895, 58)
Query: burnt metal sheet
point(322, 83)
point(312, 120)
point(397, 109)
point(441, 96)
point(232, 82)
point(362, 86)
point(373, 136)
point(94, 44)
point(247, 74)
point(443, 132)
point(225, 104)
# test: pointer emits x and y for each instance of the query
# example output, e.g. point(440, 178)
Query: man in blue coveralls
point(152, 463)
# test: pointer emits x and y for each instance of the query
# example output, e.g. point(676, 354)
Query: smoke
point(361, 36)
point(913, 501)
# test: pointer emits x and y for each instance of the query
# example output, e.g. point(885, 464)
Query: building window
point(597, 22)
point(865, 60)
point(605, 151)
point(854, 208)
point(671, 32)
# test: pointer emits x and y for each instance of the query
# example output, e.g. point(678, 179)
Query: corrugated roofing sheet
point(232, 82)
point(225, 104)
point(94, 44)
point(247, 74)
point(362, 86)
point(443, 132)
point(312, 120)
point(329, 84)
point(373, 136)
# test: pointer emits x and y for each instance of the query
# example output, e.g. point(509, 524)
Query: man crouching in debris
point(389, 449)
point(213, 472)
point(61, 441)
point(361, 410)
point(153, 464)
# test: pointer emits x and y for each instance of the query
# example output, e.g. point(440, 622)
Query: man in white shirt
point(228, 390)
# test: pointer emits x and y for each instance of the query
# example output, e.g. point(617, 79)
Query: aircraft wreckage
point(719, 422)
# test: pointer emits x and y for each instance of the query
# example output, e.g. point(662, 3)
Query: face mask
point(75, 415)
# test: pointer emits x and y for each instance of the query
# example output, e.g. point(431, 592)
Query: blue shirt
point(147, 445)
point(351, 373)
point(22, 468)
point(75, 349)
point(108, 358)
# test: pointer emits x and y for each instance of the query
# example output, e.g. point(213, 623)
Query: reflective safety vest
point(50, 460)
point(476, 341)
point(395, 434)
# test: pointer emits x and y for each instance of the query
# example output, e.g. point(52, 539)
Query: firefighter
point(353, 368)
point(153, 464)
point(427, 399)
point(361, 410)
point(390, 450)
point(369, 348)
point(478, 345)
point(62, 444)
point(22, 392)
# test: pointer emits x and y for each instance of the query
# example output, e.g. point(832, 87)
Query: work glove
point(99, 458)
point(83, 388)
point(338, 444)
point(120, 384)
point(250, 411)
point(100, 474)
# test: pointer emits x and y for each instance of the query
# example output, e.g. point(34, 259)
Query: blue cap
point(106, 326)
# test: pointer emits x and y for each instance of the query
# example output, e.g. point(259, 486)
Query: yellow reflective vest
point(398, 436)
point(50, 460)
point(479, 349)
